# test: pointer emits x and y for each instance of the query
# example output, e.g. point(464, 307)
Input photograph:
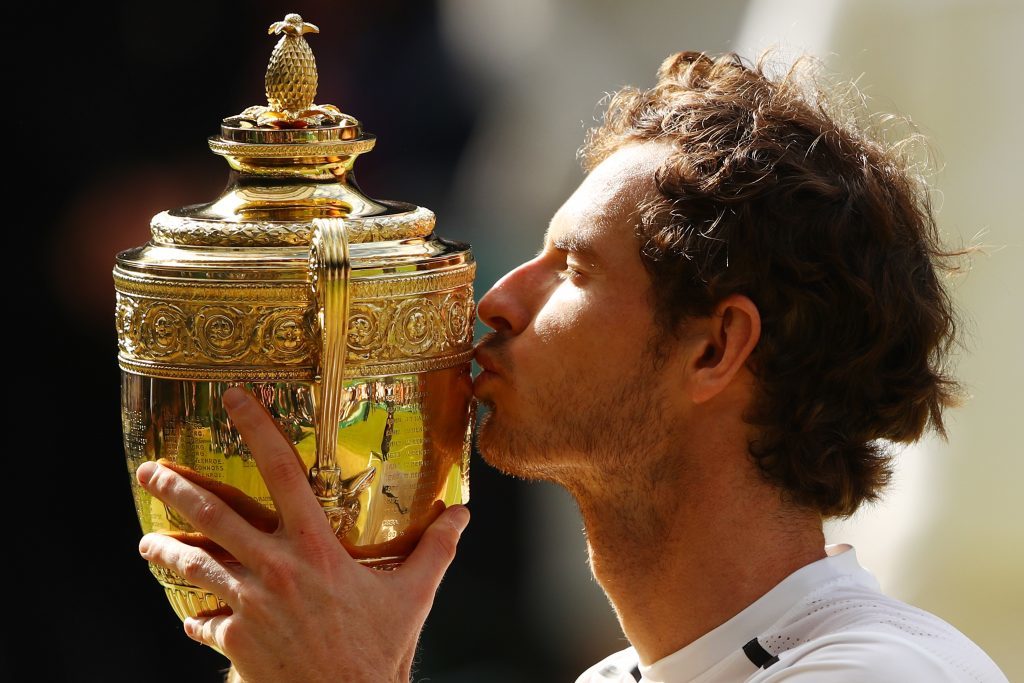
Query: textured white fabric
point(828, 621)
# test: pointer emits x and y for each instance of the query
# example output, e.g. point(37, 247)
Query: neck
point(680, 554)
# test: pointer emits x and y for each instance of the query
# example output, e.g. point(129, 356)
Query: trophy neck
point(289, 189)
point(317, 169)
point(289, 174)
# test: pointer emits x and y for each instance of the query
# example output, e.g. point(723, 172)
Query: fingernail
point(234, 397)
point(146, 471)
point(143, 546)
point(460, 518)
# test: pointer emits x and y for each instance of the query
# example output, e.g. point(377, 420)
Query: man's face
point(569, 374)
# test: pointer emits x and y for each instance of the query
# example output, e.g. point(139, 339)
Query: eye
point(569, 273)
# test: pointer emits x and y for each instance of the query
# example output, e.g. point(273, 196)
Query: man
point(728, 321)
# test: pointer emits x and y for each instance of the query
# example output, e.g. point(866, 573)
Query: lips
point(485, 361)
point(491, 370)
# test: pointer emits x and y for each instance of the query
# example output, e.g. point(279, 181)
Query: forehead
point(608, 197)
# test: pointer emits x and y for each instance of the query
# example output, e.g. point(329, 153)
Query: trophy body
point(348, 318)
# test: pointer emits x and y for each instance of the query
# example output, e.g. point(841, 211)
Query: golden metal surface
point(291, 75)
point(413, 430)
point(346, 315)
point(233, 130)
point(291, 82)
point(275, 374)
point(168, 229)
point(292, 289)
point(319, 149)
point(197, 329)
point(330, 269)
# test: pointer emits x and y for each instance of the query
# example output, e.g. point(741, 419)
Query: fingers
point(203, 510)
point(436, 550)
point(195, 565)
point(208, 630)
point(280, 465)
point(251, 510)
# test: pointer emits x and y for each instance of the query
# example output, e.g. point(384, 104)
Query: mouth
point(490, 370)
point(485, 351)
point(486, 363)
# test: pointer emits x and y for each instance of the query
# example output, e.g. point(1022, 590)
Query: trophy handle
point(329, 272)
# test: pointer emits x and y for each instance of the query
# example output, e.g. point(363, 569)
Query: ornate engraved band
point(201, 330)
point(168, 229)
point(296, 374)
point(306, 149)
point(290, 291)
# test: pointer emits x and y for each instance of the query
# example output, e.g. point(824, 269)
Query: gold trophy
point(345, 315)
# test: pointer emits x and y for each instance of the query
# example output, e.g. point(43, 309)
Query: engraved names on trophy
point(135, 434)
point(187, 442)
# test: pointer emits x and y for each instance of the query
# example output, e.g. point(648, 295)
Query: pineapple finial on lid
point(291, 83)
point(291, 74)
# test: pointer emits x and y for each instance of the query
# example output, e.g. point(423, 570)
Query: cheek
point(562, 319)
point(577, 326)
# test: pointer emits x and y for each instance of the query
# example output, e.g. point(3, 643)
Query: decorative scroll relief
point(175, 331)
point(168, 229)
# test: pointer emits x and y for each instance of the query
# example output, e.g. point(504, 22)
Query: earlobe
point(735, 327)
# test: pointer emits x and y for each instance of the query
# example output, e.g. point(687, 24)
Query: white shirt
point(828, 621)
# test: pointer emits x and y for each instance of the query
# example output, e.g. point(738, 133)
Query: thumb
point(436, 548)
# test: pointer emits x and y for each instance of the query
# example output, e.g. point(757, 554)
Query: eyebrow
point(582, 245)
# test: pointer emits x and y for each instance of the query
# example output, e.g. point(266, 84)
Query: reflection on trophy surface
point(348, 318)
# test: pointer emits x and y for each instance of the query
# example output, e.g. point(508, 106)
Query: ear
point(730, 338)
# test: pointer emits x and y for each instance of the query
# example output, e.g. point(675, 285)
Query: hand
point(301, 609)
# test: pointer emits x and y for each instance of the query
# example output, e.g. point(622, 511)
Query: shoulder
point(878, 657)
point(865, 635)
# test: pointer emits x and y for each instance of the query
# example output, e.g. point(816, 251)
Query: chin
point(515, 452)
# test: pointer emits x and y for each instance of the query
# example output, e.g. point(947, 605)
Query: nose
point(511, 303)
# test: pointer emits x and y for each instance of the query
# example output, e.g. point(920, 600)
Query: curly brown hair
point(775, 192)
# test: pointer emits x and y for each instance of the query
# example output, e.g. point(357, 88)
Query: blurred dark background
point(478, 107)
point(136, 88)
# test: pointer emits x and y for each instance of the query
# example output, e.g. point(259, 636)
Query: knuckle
point(244, 600)
point(246, 413)
point(254, 604)
point(204, 631)
point(193, 565)
point(157, 551)
point(278, 575)
point(207, 513)
point(321, 554)
point(161, 482)
point(229, 634)
point(283, 466)
point(445, 541)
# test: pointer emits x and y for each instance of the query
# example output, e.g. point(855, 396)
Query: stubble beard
point(581, 436)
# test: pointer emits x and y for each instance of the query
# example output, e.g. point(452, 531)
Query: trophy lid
point(260, 283)
point(290, 116)
point(292, 161)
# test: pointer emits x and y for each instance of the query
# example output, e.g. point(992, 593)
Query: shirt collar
point(717, 644)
